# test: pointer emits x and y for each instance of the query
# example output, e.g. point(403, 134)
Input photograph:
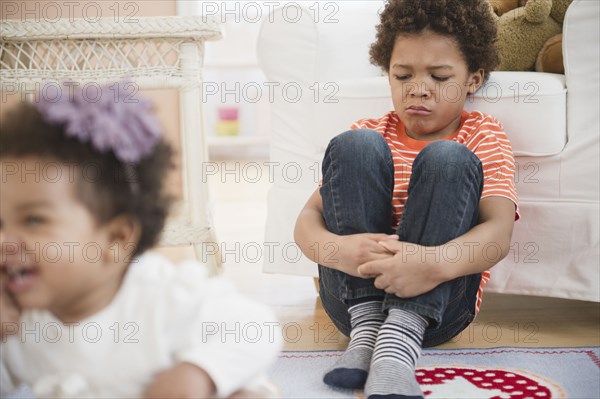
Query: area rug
point(499, 373)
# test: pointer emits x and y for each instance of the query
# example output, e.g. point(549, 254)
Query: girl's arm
point(415, 269)
point(340, 252)
point(184, 380)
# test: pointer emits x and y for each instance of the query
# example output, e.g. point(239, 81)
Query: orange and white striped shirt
point(480, 133)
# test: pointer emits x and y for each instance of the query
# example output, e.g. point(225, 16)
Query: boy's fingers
point(390, 246)
point(381, 251)
point(380, 237)
point(369, 269)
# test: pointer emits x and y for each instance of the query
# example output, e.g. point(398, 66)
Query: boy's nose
point(419, 89)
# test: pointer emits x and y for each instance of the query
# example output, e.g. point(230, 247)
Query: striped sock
point(397, 349)
point(351, 370)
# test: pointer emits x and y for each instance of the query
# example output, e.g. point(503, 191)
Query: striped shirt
point(480, 133)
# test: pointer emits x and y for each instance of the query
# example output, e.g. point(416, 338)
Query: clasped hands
point(398, 267)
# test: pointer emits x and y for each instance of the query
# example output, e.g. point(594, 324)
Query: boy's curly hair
point(468, 22)
point(112, 187)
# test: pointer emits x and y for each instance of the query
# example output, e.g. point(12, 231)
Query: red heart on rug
point(484, 383)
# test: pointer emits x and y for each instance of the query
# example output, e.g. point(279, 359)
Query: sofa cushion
point(306, 43)
point(532, 107)
point(346, 101)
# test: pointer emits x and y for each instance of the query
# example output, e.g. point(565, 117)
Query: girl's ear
point(123, 234)
point(475, 81)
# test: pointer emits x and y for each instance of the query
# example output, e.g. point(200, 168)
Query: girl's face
point(430, 81)
point(54, 254)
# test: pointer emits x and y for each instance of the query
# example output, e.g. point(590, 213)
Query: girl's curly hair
point(469, 22)
point(113, 187)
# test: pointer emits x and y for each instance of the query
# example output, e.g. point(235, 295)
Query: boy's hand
point(351, 251)
point(9, 314)
point(406, 274)
point(183, 381)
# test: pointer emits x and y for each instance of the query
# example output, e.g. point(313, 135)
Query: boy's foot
point(394, 381)
point(352, 369)
point(397, 349)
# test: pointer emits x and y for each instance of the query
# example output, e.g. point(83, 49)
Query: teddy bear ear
point(537, 11)
point(559, 9)
point(503, 6)
point(494, 6)
point(494, 11)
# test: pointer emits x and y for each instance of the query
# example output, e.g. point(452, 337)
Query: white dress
point(163, 314)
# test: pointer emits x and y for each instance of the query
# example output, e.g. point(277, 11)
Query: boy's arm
point(311, 233)
point(486, 244)
point(416, 269)
point(340, 252)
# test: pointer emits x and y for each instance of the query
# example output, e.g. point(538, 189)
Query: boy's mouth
point(418, 110)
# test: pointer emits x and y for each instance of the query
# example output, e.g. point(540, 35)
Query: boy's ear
point(475, 81)
point(124, 232)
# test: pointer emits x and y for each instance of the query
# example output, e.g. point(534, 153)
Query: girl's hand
point(347, 253)
point(9, 314)
point(407, 274)
point(184, 381)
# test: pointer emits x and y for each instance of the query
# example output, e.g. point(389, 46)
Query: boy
point(440, 178)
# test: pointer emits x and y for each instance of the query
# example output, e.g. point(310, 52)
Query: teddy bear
point(528, 35)
point(502, 6)
point(550, 58)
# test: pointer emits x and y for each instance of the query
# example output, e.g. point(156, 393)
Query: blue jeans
point(443, 203)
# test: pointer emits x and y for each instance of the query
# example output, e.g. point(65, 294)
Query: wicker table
point(153, 53)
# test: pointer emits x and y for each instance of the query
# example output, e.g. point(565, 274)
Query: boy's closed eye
point(435, 77)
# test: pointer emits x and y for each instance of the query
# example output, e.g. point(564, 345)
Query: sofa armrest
point(326, 41)
point(581, 57)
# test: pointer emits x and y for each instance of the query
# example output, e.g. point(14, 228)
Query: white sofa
point(552, 121)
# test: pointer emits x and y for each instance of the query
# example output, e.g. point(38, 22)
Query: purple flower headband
point(110, 117)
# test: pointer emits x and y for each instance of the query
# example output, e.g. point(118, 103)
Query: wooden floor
point(504, 320)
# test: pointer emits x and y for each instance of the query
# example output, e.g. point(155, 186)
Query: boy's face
point(430, 81)
point(53, 252)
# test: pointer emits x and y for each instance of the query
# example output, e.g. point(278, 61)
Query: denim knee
point(357, 145)
point(358, 183)
point(449, 161)
point(444, 153)
point(447, 148)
